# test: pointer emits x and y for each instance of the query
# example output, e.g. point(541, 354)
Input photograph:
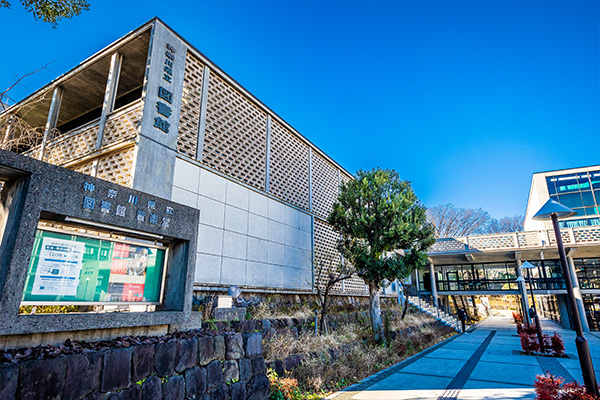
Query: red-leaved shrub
point(520, 329)
point(547, 386)
point(518, 318)
point(557, 345)
point(529, 343)
point(550, 387)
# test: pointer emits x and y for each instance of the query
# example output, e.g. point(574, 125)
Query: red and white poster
point(127, 273)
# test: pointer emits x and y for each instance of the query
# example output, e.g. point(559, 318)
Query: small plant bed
point(553, 346)
point(517, 318)
point(538, 354)
point(550, 387)
point(315, 366)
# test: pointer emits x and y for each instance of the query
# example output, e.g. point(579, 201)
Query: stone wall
point(221, 367)
point(268, 327)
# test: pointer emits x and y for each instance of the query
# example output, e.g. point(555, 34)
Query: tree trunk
point(405, 302)
point(375, 311)
point(475, 313)
point(324, 307)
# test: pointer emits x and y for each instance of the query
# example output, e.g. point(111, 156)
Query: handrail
point(516, 240)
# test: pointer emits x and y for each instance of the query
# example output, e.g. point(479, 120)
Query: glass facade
point(547, 275)
point(471, 277)
point(591, 304)
point(588, 273)
point(581, 192)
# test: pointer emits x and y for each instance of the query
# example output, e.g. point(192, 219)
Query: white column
point(7, 133)
point(52, 118)
point(110, 95)
point(434, 294)
point(523, 291)
point(578, 296)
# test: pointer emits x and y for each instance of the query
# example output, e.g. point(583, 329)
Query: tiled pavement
point(456, 370)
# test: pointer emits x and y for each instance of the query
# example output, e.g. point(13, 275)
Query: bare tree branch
point(450, 221)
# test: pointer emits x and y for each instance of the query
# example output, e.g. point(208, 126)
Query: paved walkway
point(481, 364)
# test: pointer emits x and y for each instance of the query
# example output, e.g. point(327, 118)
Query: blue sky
point(466, 99)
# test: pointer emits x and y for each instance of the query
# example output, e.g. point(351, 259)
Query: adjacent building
point(488, 265)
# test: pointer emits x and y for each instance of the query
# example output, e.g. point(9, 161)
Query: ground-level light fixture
point(524, 301)
point(529, 266)
point(553, 210)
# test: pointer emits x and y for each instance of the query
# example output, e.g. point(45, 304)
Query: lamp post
point(553, 210)
point(528, 266)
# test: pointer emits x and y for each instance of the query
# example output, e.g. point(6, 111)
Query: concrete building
point(488, 265)
point(152, 113)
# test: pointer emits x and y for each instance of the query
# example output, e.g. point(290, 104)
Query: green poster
point(76, 269)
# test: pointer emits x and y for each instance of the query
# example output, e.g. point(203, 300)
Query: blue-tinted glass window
point(597, 195)
point(550, 183)
point(595, 179)
point(580, 212)
point(584, 181)
point(571, 200)
point(567, 184)
point(594, 221)
point(591, 211)
point(588, 198)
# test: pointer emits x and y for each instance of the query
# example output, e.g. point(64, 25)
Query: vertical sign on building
point(165, 93)
point(156, 148)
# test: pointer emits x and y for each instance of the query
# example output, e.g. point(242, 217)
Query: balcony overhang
point(84, 86)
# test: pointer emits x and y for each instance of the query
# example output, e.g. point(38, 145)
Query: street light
point(553, 210)
point(528, 266)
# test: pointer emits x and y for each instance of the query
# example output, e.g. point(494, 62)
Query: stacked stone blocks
point(228, 366)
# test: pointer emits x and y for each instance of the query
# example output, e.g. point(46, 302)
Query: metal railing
point(517, 240)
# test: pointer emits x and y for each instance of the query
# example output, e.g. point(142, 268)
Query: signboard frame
point(151, 244)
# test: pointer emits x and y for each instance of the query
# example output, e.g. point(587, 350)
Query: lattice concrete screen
point(72, 145)
point(587, 235)
point(235, 135)
point(491, 242)
point(189, 118)
point(116, 167)
point(327, 256)
point(122, 125)
point(325, 186)
point(84, 168)
point(289, 167)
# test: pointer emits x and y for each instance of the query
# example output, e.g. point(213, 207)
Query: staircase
point(437, 313)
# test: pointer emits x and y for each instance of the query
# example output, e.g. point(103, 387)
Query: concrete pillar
point(268, 157)
point(156, 143)
point(203, 105)
point(110, 95)
point(563, 310)
point(577, 293)
point(52, 118)
point(434, 294)
point(523, 292)
point(7, 133)
point(310, 202)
